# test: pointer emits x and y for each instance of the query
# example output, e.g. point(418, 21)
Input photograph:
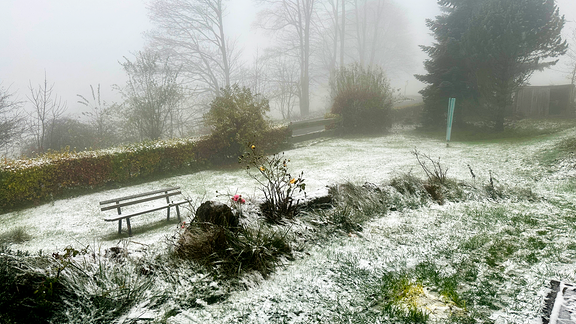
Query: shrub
point(27, 295)
point(55, 174)
point(434, 171)
point(232, 252)
point(15, 235)
point(362, 98)
point(236, 118)
point(277, 183)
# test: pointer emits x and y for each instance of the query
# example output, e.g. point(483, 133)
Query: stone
point(216, 213)
point(560, 304)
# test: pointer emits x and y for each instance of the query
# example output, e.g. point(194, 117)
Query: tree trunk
point(224, 52)
point(305, 60)
point(343, 33)
point(499, 120)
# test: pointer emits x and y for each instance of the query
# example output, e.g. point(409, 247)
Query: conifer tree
point(485, 50)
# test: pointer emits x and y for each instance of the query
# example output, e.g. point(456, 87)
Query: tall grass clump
point(75, 286)
point(354, 205)
point(26, 294)
point(362, 98)
point(15, 236)
point(233, 253)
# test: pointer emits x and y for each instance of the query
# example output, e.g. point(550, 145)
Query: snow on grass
point(502, 252)
point(499, 253)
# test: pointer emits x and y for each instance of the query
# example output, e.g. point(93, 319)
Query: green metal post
point(451, 104)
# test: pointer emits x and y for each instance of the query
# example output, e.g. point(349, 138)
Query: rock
point(216, 213)
point(199, 243)
point(323, 202)
point(116, 252)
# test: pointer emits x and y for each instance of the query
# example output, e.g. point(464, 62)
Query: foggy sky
point(79, 43)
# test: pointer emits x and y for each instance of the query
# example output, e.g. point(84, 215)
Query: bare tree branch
point(11, 121)
point(48, 107)
point(192, 34)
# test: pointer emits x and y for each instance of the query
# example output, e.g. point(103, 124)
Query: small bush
point(362, 98)
point(233, 252)
point(236, 118)
point(26, 295)
point(435, 172)
point(277, 184)
point(16, 235)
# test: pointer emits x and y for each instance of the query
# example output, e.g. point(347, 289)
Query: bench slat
point(140, 201)
point(137, 196)
point(148, 196)
point(119, 217)
point(174, 203)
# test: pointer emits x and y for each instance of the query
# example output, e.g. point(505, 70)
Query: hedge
point(32, 181)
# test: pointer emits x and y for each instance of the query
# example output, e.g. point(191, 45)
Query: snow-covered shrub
point(362, 98)
point(277, 184)
point(231, 253)
point(236, 118)
point(54, 174)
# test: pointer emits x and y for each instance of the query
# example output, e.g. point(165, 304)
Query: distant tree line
point(483, 51)
point(189, 58)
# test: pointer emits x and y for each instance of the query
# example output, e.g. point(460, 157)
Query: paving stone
point(560, 307)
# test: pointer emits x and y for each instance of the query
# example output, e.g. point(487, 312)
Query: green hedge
point(31, 181)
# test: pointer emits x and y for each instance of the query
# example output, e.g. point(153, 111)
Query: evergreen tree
point(509, 40)
point(448, 68)
point(485, 50)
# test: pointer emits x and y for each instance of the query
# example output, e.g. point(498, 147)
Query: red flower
point(238, 199)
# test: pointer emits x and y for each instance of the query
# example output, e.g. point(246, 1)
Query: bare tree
point(11, 121)
point(380, 35)
point(256, 76)
point(100, 117)
point(284, 81)
point(275, 76)
point(343, 33)
point(47, 108)
point(292, 21)
point(572, 56)
point(332, 34)
point(192, 34)
point(152, 94)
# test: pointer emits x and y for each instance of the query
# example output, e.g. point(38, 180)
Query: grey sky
point(79, 43)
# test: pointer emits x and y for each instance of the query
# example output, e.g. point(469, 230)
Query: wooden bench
point(118, 203)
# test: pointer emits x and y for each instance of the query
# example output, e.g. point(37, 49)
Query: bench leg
point(119, 226)
point(178, 212)
point(129, 227)
point(168, 213)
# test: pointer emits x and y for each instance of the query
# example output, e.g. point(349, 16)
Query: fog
point(477, 244)
point(79, 43)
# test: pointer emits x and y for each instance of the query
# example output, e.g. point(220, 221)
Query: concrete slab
point(560, 307)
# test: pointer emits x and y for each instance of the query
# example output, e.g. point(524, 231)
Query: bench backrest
point(146, 196)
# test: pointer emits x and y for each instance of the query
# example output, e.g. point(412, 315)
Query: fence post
point(451, 104)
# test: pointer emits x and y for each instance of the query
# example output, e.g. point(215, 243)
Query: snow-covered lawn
point(78, 221)
point(336, 281)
